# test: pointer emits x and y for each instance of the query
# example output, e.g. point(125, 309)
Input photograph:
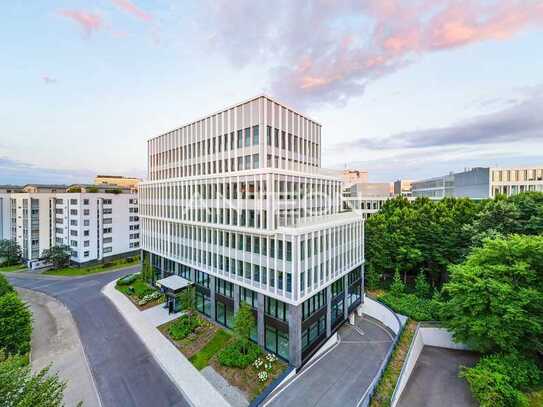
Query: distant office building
point(402, 187)
point(237, 203)
point(96, 225)
point(354, 176)
point(367, 198)
point(481, 183)
point(127, 182)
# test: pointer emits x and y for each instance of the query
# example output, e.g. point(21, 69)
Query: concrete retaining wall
point(381, 313)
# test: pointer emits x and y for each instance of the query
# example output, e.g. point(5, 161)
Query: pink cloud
point(131, 8)
point(327, 51)
point(89, 22)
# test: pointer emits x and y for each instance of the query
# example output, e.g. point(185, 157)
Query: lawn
point(14, 268)
point(201, 359)
point(137, 290)
point(96, 268)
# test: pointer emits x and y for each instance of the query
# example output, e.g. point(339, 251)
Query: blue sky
point(404, 89)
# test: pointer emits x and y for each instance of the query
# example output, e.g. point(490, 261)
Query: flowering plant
point(258, 363)
point(270, 357)
point(268, 366)
point(263, 376)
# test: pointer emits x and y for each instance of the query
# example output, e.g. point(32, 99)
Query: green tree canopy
point(495, 298)
point(20, 388)
point(59, 256)
point(10, 252)
point(15, 324)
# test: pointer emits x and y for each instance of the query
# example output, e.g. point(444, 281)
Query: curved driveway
point(124, 371)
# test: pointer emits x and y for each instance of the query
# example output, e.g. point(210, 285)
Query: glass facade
point(276, 341)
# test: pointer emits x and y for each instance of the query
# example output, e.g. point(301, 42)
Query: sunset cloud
point(89, 22)
point(131, 8)
point(324, 51)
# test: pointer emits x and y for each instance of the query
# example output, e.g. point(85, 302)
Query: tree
point(59, 256)
point(10, 252)
point(147, 270)
point(244, 322)
point(397, 286)
point(495, 298)
point(15, 324)
point(422, 288)
point(19, 387)
point(187, 300)
point(5, 286)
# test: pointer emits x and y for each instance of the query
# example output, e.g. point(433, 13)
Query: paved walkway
point(342, 375)
point(158, 315)
point(55, 341)
point(124, 370)
point(435, 381)
point(187, 378)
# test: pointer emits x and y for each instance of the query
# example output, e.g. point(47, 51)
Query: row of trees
point(18, 385)
point(428, 236)
point(11, 254)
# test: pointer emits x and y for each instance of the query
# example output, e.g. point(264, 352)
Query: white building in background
point(5, 209)
point(367, 198)
point(96, 225)
point(237, 203)
point(481, 183)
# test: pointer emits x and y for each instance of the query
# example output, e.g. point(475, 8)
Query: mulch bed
point(195, 341)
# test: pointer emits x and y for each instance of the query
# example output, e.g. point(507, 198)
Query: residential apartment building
point(96, 226)
point(5, 209)
point(237, 203)
point(126, 182)
point(481, 183)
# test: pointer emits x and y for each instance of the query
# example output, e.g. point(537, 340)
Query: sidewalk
point(183, 374)
point(55, 341)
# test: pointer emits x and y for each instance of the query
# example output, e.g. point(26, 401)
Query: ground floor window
point(277, 341)
point(224, 314)
point(354, 293)
point(203, 303)
point(337, 312)
point(313, 332)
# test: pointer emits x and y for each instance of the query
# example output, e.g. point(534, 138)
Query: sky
point(403, 88)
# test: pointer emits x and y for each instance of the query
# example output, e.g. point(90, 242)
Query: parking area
point(435, 381)
point(341, 377)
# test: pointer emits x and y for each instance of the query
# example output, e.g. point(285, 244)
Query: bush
point(239, 354)
point(5, 287)
point(154, 295)
point(108, 264)
point(15, 324)
point(184, 326)
point(397, 287)
point(422, 287)
point(129, 279)
point(498, 380)
point(410, 305)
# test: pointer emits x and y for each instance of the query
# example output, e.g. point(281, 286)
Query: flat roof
point(174, 282)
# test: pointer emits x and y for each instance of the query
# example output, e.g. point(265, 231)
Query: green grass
point(96, 268)
point(218, 342)
point(141, 288)
point(16, 267)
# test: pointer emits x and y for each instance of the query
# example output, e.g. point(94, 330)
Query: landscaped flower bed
point(141, 293)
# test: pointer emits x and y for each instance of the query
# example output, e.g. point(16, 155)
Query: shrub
point(184, 326)
point(155, 295)
point(422, 287)
point(239, 354)
point(5, 287)
point(412, 306)
point(129, 279)
point(15, 324)
point(498, 380)
point(107, 264)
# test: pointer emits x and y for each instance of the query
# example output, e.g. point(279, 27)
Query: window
point(86, 212)
point(86, 254)
point(313, 304)
point(107, 221)
point(224, 288)
point(73, 232)
point(107, 230)
point(86, 243)
point(86, 222)
point(276, 309)
point(203, 303)
point(248, 297)
point(255, 135)
point(276, 341)
point(73, 201)
point(73, 222)
point(108, 249)
point(73, 243)
point(313, 332)
point(86, 233)
point(202, 278)
point(224, 314)
point(247, 136)
point(73, 212)
point(107, 202)
point(108, 211)
point(85, 202)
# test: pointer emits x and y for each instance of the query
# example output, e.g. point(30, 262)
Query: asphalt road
point(435, 381)
point(124, 371)
point(340, 378)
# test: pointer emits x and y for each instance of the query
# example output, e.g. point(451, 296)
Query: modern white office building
point(237, 203)
point(481, 183)
point(96, 225)
point(366, 198)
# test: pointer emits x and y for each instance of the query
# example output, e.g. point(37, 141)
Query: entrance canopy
point(173, 284)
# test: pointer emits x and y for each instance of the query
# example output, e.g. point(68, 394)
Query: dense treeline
point(485, 263)
point(428, 236)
